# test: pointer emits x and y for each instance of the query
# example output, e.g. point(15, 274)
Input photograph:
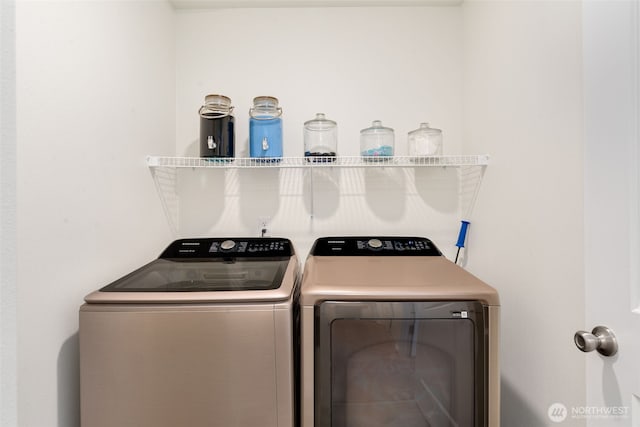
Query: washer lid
point(218, 274)
point(209, 270)
point(386, 269)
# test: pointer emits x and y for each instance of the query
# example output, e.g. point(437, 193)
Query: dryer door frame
point(330, 313)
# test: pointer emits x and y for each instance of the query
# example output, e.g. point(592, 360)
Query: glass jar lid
point(425, 129)
point(216, 105)
point(265, 106)
point(320, 123)
point(265, 102)
point(376, 128)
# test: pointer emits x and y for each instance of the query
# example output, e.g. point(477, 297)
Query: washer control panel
point(229, 247)
point(372, 246)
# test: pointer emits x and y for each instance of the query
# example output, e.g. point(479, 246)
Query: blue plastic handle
point(462, 236)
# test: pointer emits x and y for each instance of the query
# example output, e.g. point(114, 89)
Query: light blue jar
point(265, 129)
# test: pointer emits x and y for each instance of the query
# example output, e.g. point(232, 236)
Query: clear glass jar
point(265, 128)
point(320, 139)
point(217, 133)
point(425, 141)
point(376, 142)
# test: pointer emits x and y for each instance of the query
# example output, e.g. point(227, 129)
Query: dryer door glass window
point(401, 365)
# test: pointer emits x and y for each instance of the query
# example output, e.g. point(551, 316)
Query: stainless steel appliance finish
point(203, 336)
point(394, 334)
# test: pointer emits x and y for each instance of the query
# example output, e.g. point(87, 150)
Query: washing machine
point(395, 335)
point(205, 335)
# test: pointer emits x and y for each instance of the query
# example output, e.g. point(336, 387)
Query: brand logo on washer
point(557, 412)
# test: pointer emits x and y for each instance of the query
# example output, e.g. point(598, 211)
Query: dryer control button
point(227, 245)
point(375, 243)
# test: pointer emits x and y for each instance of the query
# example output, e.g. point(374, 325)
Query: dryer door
point(400, 364)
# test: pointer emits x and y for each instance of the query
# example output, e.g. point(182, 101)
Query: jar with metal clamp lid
point(217, 133)
point(265, 129)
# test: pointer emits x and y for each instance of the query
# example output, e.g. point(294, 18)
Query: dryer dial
point(375, 243)
point(227, 245)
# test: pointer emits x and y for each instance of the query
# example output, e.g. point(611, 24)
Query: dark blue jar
point(217, 133)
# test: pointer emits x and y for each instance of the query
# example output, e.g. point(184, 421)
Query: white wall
point(503, 78)
point(400, 65)
point(523, 104)
point(95, 95)
point(97, 92)
point(8, 380)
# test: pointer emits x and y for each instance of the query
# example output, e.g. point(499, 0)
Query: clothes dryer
point(203, 336)
point(395, 335)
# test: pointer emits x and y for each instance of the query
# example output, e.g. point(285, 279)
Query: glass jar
point(425, 141)
point(217, 135)
point(376, 142)
point(320, 139)
point(265, 128)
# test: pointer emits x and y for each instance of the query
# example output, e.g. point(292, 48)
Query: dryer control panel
point(263, 247)
point(374, 245)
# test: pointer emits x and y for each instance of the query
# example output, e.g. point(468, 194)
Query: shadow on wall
point(258, 193)
point(438, 188)
point(202, 199)
point(514, 410)
point(385, 193)
point(322, 195)
point(69, 383)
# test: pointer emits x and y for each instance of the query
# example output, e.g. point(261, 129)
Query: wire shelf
point(318, 162)
point(165, 171)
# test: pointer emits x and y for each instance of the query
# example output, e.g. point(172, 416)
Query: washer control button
point(375, 243)
point(227, 245)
